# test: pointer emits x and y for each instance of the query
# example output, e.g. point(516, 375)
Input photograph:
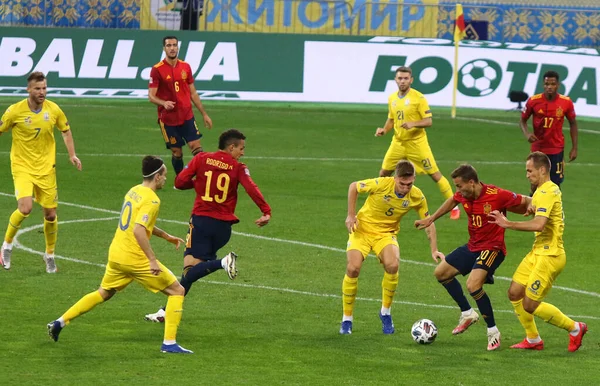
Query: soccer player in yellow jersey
point(535, 275)
point(374, 228)
point(32, 162)
point(131, 257)
point(408, 115)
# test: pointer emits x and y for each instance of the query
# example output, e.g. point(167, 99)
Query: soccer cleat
point(387, 326)
point(465, 322)
point(5, 257)
point(493, 340)
point(525, 345)
point(157, 317)
point(50, 263)
point(54, 329)
point(230, 265)
point(174, 349)
point(575, 341)
point(346, 327)
point(455, 213)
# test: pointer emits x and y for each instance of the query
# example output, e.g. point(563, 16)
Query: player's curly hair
point(540, 160)
point(230, 136)
point(466, 172)
point(552, 74)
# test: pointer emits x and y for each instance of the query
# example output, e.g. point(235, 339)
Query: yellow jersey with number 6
point(412, 107)
point(383, 209)
point(33, 148)
point(141, 206)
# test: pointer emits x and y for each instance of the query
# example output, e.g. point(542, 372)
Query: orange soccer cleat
point(525, 345)
point(455, 213)
point(575, 341)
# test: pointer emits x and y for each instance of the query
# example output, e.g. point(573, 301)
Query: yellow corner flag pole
point(459, 30)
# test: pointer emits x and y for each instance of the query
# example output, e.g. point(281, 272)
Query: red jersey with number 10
point(483, 234)
point(172, 84)
point(548, 120)
point(215, 177)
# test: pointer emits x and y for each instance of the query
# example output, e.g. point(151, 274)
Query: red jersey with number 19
point(483, 234)
point(548, 119)
point(215, 177)
point(172, 84)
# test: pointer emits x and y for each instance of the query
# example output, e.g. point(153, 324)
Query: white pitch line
point(19, 245)
point(318, 246)
point(516, 124)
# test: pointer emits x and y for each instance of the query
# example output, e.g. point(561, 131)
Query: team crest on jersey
point(487, 208)
point(28, 120)
point(559, 113)
point(405, 203)
point(183, 75)
point(394, 103)
point(407, 102)
point(247, 171)
point(46, 117)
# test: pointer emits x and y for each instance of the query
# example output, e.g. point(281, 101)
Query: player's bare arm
point(139, 231)
point(425, 122)
point(156, 231)
point(530, 137)
point(436, 255)
point(535, 225)
point(68, 138)
point(198, 103)
point(442, 210)
point(574, 131)
point(523, 208)
point(381, 131)
point(351, 220)
point(263, 220)
point(169, 105)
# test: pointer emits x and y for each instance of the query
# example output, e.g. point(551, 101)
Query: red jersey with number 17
point(483, 234)
point(172, 84)
point(548, 119)
point(215, 177)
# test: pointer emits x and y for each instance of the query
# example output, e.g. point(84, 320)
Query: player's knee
point(25, 208)
point(106, 294)
point(176, 152)
point(529, 305)
point(441, 273)
point(473, 286)
point(352, 270)
point(514, 294)
point(436, 176)
point(50, 216)
point(178, 290)
point(391, 267)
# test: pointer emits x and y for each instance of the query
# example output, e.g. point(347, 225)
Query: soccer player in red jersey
point(483, 253)
point(215, 177)
point(172, 88)
point(549, 110)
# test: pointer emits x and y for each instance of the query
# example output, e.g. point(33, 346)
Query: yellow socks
point(173, 313)
point(50, 234)
point(84, 305)
point(445, 188)
point(388, 286)
point(554, 316)
point(526, 319)
point(349, 290)
point(14, 223)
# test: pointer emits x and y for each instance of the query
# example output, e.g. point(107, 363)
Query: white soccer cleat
point(493, 340)
point(465, 322)
point(5, 257)
point(157, 317)
point(50, 263)
point(229, 263)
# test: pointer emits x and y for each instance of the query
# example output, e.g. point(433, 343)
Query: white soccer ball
point(424, 331)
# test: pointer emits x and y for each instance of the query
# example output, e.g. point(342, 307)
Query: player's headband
point(162, 164)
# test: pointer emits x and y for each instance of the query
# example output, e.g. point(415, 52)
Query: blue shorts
point(557, 167)
point(177, 136)
point(206, 236)
point(465, 261)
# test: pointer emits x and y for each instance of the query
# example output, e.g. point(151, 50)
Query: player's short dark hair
point(405, 168)
point(150, 166)
point(168, 38)
point(466, 172)
point(36, 76)
point(404, 69)
point(540, 160)
point(552, 74)
point(230, 136)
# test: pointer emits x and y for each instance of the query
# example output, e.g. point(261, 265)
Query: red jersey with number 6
point(215, 177)
point(548, 119)
point(483, 234)
point(172, 84)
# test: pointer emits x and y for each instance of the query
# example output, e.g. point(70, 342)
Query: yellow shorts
point(538, 272)
point(118, 276)
point(416, 151)
point(366, 243)
point(43, 188)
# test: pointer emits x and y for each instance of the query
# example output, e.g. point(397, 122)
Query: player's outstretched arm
point(436, 255)
point(523, 208)
point(535, 225)
point(442, 210)
point(70, 144)
point(425, 122)
point(156, 231)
